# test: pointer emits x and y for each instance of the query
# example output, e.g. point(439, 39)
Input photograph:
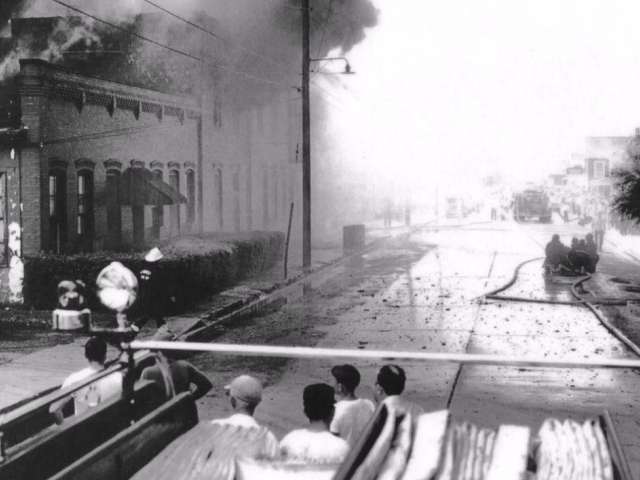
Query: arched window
point(174, 181)
point(114, 214)
point(191, 196)
point(57, 209)
point(84, 218)
point(157, 212)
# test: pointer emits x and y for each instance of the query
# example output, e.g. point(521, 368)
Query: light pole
point(306, 134)
point(306, 141)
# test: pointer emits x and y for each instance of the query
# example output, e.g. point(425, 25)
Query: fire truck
point(532, 204)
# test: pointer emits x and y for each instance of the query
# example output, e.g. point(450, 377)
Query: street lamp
point(347, 66)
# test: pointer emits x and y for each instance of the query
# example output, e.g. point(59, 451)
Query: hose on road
point(615, 331)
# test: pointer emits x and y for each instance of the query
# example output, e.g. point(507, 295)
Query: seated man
point(578, 258)
point(315, 444)
point(352, 414)
point(175, 376)
point(107, 388)
point(556, 253)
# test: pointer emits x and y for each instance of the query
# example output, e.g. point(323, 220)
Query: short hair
point(555, 236)
point(346, 375)
point(319, 401)
point(95, 350)
point(391, 379)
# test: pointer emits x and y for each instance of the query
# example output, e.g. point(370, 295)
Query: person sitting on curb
point(175, 376)
point(107, 388)
point(351, 413)
point(389, 386)
point(315, 444)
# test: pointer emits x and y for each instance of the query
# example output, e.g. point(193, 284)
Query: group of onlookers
point(336, 415)
point(581, 257)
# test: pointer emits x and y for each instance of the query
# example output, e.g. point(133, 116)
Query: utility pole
point(306, 141)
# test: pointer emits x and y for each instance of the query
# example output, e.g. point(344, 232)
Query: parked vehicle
point(532, 204)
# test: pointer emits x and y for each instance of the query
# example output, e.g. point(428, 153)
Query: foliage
point(189, 274)
point(627, 200)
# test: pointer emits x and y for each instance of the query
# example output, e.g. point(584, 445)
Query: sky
point(453, 90)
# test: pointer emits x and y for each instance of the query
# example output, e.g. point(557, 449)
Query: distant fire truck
point(532, 204)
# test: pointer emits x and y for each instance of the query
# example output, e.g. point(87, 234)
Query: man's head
point(589, 237)
point(347, 379)
point(390, 381)
point(555, 238)
point(245, 393)
point(95, 350)
point(319, 402)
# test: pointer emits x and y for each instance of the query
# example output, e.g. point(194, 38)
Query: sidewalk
point(47, 368)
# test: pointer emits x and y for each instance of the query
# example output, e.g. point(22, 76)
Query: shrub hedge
point(192, 268)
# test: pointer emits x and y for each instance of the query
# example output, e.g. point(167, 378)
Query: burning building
point(109, 144)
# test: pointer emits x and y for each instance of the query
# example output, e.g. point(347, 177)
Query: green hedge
point(195, 267)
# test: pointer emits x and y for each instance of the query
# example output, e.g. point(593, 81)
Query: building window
point(174, 181)
point(3, 218)
point(598, 169)
point(217, 112)
point(84, 219)
point(114, 215)
point(157, 212)
point(217, 182)
point(191, 196)
point(57, 210)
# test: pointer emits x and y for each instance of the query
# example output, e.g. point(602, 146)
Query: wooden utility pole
point(306, 141)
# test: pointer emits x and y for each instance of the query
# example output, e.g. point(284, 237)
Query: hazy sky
point(469, 87)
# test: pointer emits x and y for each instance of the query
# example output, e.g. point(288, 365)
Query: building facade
point(88, 164)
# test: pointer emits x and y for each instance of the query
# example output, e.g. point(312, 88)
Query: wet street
point(419, 293)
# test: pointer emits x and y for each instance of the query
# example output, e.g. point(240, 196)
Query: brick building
point(100, 165)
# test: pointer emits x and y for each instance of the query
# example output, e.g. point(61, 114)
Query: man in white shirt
point(389, 387)
point(107, 388)
point(315, 444)
point(245, 394)
point(352, 414)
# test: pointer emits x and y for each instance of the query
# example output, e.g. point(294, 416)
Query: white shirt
point(270, 447)
point(96, 393)
point(350, 418)
point(313, 447)
point(238, 420)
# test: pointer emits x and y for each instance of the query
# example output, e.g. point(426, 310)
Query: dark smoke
point(253, 39)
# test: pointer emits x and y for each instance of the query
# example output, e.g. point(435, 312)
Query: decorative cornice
point(84, 164)
point(174, 165)
point(156, 165)
point(57, 164)
point(112, 164)
point(137, 164)
point(38, 77)
point(190, 165)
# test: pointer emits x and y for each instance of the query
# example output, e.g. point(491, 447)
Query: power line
point(212, 34)
point(168, 47)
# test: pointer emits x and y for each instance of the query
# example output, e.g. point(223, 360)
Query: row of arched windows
point(84, 211)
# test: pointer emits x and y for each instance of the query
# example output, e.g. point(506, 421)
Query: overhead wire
point(168, 47)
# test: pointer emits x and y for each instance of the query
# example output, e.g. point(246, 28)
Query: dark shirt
point(183, 374)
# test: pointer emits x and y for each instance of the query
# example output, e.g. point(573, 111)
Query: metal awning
point(139, 187)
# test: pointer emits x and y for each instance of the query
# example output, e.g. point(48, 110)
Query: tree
point(627, 200)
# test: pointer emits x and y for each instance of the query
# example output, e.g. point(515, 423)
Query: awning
point(139, 187)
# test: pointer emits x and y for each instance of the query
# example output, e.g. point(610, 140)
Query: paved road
point(418, 294)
